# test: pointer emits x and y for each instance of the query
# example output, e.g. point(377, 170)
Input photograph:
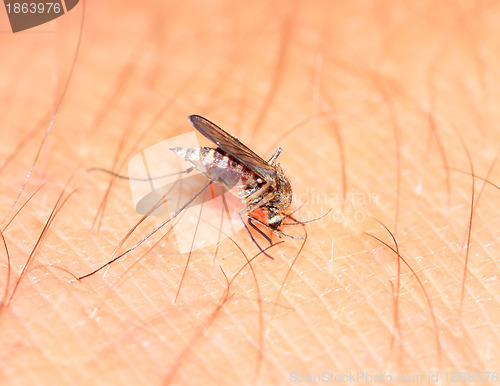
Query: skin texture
point(383, 111)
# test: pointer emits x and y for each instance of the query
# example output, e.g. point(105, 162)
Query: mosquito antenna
point(298, 222)
point(275, 231)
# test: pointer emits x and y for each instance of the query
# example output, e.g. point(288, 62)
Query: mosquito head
point(274, 218)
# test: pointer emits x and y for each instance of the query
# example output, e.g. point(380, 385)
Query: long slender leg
point(251, 236)
point(148, 235)
point(188, 170)
point(250, 221)
point(272, 160)
point(190, 249)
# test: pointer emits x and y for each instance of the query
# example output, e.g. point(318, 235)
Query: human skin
point(391, 108)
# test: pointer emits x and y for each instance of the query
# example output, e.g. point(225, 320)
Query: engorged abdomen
point(219, 167)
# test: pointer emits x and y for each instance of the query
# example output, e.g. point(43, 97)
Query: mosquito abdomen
point(217, 166)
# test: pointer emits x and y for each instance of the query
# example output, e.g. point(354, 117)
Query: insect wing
point(232, 146)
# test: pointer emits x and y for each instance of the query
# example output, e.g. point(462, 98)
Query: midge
point(262, 184)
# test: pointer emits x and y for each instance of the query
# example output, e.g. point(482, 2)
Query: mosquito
point(263, 185)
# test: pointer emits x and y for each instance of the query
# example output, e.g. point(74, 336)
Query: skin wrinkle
point(435, 65)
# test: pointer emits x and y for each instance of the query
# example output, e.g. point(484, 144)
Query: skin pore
point(384, 111)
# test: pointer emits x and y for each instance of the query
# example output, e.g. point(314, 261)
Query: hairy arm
point(387, 116)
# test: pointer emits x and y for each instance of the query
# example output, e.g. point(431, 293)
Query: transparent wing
point(232, 146)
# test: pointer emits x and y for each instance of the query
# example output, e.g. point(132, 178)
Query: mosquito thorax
point(281, 201)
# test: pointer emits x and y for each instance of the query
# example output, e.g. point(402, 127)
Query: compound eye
point(274, 219)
